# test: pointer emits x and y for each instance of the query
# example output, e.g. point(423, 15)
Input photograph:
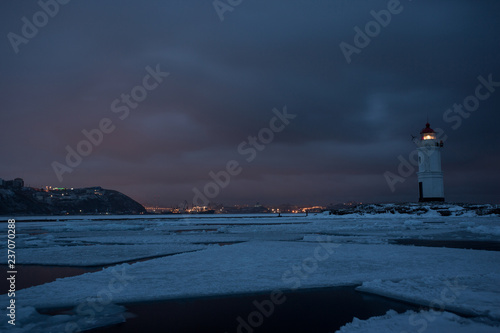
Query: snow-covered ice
point(424, 321)
point(263, 253)
point(266, 265)
point(474, 294)
point(94, 255)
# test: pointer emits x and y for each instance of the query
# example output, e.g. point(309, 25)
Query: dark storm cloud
point(353, 120)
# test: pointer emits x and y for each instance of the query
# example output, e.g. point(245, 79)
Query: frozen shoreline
point(290, 253)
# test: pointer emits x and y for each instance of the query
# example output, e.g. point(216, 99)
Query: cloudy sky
point(354, 111)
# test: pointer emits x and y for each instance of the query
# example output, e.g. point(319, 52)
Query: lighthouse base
point(431, 199)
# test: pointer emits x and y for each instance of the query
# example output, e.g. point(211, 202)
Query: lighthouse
point(430, 176)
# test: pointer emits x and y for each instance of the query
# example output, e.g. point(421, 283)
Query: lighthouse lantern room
point(430, 176)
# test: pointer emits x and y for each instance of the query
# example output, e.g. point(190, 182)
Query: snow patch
point(423, 321)
point(95, 255)
point(28, 320)
point(485, 230)
point(476, 295)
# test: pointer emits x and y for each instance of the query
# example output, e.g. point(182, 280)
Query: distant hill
point(92, 200)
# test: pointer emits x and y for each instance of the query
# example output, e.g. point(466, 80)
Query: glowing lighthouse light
point(428, 133)
point(430, 176)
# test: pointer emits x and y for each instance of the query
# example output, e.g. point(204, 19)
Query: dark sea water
point(457, 244)
point(313, 310)
point(33, 275)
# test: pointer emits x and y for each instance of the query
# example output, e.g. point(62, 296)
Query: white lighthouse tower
point(430, 176)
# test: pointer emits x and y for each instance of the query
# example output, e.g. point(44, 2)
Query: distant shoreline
point(367, 210)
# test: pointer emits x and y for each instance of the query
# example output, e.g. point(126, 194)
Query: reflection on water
point(317, 310)
point(33, 275)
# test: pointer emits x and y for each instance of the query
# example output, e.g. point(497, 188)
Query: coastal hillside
point(92, 200)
